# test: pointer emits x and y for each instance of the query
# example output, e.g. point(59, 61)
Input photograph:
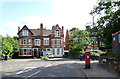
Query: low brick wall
point(110, 63)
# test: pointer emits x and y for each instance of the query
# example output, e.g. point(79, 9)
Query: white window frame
point(30, 41)
point(58, 42)
point(46, 41)
point(25, 53)
point(37, 42)
point(57, 33)
point(58, 51)
point(53, 42)
point(25, 42)
point(53, 51)
point(25, 32)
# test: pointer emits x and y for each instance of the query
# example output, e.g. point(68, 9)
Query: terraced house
point(40, 42)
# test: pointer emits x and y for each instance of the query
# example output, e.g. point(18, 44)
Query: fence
point(110, 63)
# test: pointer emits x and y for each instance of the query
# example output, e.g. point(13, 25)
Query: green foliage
point(0, 47)
point(108, 21)
point(80, 38)
point(113, 54)
point(44, 58)
point(100, 53)
point(9, 46)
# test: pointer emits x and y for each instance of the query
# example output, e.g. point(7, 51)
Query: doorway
point(35, 52)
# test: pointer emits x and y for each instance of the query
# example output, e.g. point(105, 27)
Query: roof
point(23, 28)
point(115, 33)
point(37, 32)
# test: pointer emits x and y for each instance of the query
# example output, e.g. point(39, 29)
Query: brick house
point(39, 42)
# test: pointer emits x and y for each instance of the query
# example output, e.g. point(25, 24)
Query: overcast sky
point(67, 13)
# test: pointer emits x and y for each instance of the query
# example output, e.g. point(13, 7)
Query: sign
point(94, 45)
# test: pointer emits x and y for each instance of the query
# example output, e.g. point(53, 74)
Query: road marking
point(25, 70)
point(34, 73)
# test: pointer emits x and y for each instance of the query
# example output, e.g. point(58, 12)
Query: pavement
point(59, 67)
point(97, 71)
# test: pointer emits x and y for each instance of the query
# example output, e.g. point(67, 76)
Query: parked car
point(82, 56)
point(92, 56)
point(50, 55)
point(96, 51)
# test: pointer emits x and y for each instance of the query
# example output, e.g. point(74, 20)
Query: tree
point(0, 45)
point(108, 21)
point(9, 46)
point(79, 40)
point(73, 29)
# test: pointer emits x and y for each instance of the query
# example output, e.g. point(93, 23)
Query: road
point(32, 68)
point(55, 68)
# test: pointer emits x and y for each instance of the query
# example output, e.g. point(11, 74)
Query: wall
point(112, 64)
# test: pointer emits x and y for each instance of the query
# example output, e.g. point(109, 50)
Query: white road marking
point(25, 70)
point(34, 73)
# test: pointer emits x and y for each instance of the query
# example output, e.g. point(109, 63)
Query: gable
point(54, 28)
point(24, 28)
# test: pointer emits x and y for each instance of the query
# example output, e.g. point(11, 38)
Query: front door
point(35, 52)
point(39, 53)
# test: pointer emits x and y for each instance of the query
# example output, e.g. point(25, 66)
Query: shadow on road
point(62, 70)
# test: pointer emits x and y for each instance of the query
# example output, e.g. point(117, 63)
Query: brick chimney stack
point(41, 29)
point(18, 28)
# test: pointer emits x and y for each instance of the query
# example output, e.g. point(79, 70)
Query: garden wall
point(112, 64)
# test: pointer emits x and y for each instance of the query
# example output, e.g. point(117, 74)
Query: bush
point(112, 54)
point(44, 58)
point(74, 51)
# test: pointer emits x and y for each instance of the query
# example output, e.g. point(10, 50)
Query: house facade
point(40, 42)
point(116, 42)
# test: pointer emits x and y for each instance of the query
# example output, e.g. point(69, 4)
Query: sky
point(67, 13)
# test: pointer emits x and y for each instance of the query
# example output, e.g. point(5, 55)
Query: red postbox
point(87, 60)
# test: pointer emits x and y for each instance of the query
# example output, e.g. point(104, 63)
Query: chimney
point(41, 29)
point(18, 28)
point(63, 28)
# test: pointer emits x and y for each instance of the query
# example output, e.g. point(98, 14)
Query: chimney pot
point(18, 28)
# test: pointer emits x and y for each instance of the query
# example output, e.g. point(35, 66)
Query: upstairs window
point(57, 33)
point(30, 41)
point(24, 41)
point(53, 42)
point(25, 32)
point(37, 42)
point(24, 51)
point(46, 41)
point(58, 42)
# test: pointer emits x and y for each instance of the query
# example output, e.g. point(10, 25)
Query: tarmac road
point(55, 68)
point(30, 68)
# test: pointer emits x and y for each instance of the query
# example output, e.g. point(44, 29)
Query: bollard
point(87, 60)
